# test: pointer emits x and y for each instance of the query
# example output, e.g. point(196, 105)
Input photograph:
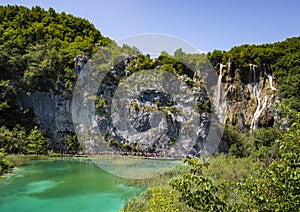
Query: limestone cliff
point(52, 112)
point(250, 94)
point(149, 111)
point(154, 120)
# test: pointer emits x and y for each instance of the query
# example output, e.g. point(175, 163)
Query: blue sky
point(208, 25)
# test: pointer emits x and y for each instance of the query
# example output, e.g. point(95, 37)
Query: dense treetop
point(37, 50)
point(283, 58)
point(38, 47)
point(37, 44)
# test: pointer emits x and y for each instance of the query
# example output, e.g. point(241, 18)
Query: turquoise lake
point(63, 185)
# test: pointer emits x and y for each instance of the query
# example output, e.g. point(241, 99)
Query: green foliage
point(5, 164)
point(131, 50)
point(265, 147)
point(281, 58)
point(240, 145)
point(36, 142)
point(226, 167)
point(236, 184)
point(123, 146)
point(198, 191)
point(259, 144)
point(18, 141)
point(7, 103)
point(157, 199)
point(37, 51)
point(12, 141)
point(175, 65)
point(141, 63)
point(72, 144)
point(195, 62)
point(216, 56)
point(276, 188)
point(265, 137)
point(100, 102)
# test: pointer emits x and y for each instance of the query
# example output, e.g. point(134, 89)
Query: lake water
point(63, 185)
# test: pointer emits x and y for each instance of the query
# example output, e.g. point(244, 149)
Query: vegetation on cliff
point(283, 59)
point(231, 183)
point(37, 51)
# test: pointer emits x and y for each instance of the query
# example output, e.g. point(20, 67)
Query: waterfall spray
point(257, 88)
point(218, 99)
point(258, 111)
point(271, 82)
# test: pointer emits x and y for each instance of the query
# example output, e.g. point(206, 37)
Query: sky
point(207, 25)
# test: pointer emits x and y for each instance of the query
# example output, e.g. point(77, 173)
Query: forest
point(38, 48)
point(260, 170)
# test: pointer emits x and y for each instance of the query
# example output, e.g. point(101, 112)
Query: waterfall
point(219, 90)
point(229, 64)
point(271, 82)
point(256, 91)
point(229, 90)
point(256, 87)
point(258, 111)
point(269, 75)
point(220, 103)
point(252, 83)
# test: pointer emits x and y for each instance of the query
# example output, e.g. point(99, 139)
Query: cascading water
point(229, 89)
point(219, 101)
point(252, 86)
point(229, 65)
point(219, 90)
point(258, 111)
point(256, 91)
point(271, 82)
point(269, 75)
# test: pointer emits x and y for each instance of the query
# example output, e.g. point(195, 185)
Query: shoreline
point(20, 159)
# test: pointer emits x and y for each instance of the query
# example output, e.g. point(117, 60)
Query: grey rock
point(52, 113)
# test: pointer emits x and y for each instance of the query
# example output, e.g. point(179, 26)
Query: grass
point(20, 159)
point(8, 162)
point(160, 196)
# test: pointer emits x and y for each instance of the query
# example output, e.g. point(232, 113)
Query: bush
point(240, 145)
point(5, 164)
point(197, 191)
point(276, 187)
point(157, 199)
point(17, 141)
point(228, 168)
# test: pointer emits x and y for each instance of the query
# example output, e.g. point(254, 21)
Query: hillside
point(254, 91)
point(38, 75)
point(37, 54)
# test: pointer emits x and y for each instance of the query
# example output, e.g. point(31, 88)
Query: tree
point(5, 164)
point(276, 187)
point(197, 191)
point(36, 142)
point(37, 51)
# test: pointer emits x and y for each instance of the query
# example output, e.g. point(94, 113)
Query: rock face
point(52, 113)
point(161, 119)
point(151, 111)
point(250, 94)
